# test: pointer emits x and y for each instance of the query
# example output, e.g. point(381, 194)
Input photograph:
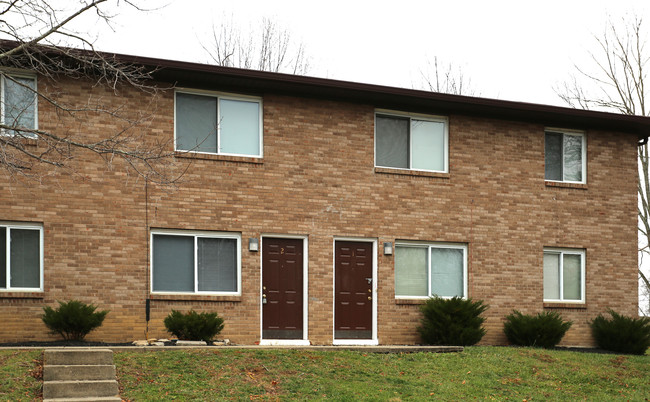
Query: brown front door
point(353, 290)
point(282, 288)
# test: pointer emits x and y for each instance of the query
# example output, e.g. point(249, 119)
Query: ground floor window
point(564, 275)
point(21, 257)
point(195, 262)
point(425, 270)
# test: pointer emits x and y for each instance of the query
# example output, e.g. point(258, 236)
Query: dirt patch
point(586, 350)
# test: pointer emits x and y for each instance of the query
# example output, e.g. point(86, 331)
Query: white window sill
point(218, 157)
point(411, 300)
point(408, 172)
point(195, 296)
point(565, 304)
point(21, 294)
point(564, 184)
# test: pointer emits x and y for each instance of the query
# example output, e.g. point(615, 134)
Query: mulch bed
point(49, 344)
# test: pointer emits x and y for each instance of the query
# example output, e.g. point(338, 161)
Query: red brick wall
point(317, 179)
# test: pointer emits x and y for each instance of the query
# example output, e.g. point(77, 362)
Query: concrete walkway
point(365, 349)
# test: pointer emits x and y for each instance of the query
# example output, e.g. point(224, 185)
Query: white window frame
point(575, 133)
point(196, 235)
point(24, 75)
point(30, 226)
point(561, 252)
point(218, 96)
point(429, 246)
point(411, 117)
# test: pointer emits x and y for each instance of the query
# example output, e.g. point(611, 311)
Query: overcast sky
point(513, 50)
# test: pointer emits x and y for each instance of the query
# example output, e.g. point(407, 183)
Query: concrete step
point(78, 372)
point(78, 356)
point(80, 389)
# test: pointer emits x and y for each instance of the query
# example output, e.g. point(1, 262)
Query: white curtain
point(428, 145)
point(19, 102)
point(571, 274)
point(551, 276)
point(411, 271)
point(447, 272)
point(239, 127)
point(572, 157)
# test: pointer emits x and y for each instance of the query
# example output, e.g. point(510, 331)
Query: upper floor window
point(406, 141)
point(425, 270)
point(564, 275)
point(18, 98)
point(565, 156)
point(21, 257)
point(219, 124)
point(195, 262)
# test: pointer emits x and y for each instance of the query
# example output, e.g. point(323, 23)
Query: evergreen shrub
point(193, 326)
point(622, 334)
point(454, 321)
point(542, 330)
point(73, 320)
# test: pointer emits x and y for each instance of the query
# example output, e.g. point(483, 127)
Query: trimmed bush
point(622, 334)
point(542, 330)
point(454, 321)
point(193, 326)
point(73, 320)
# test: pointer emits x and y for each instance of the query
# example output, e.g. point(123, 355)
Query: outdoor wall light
point(388, 248)
point(253, 244)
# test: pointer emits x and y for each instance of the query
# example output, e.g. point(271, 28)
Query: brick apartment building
point(323, 211)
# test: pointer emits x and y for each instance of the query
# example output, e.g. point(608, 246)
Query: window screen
point(563, 157)
point(195, 263)
point(212, 124)
point(20, 257)
point(430, 270)
point(19, 103)
point(217, 264)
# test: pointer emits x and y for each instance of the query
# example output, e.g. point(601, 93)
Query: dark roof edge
point(639, 125)
point(383, 96)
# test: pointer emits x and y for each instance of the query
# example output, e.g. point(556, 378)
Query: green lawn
point(492, 373)
point(20, 375)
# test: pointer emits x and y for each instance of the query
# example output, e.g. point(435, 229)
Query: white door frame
point(305, 310)
point(374, 340)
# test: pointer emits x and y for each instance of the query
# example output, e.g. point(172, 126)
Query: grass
point(487, 373)
point(21, 375)
point(492, 373)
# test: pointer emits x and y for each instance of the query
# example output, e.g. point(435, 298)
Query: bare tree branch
point(267, 48)
point(616, 81)
point(44, 47)
point(437, 77)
